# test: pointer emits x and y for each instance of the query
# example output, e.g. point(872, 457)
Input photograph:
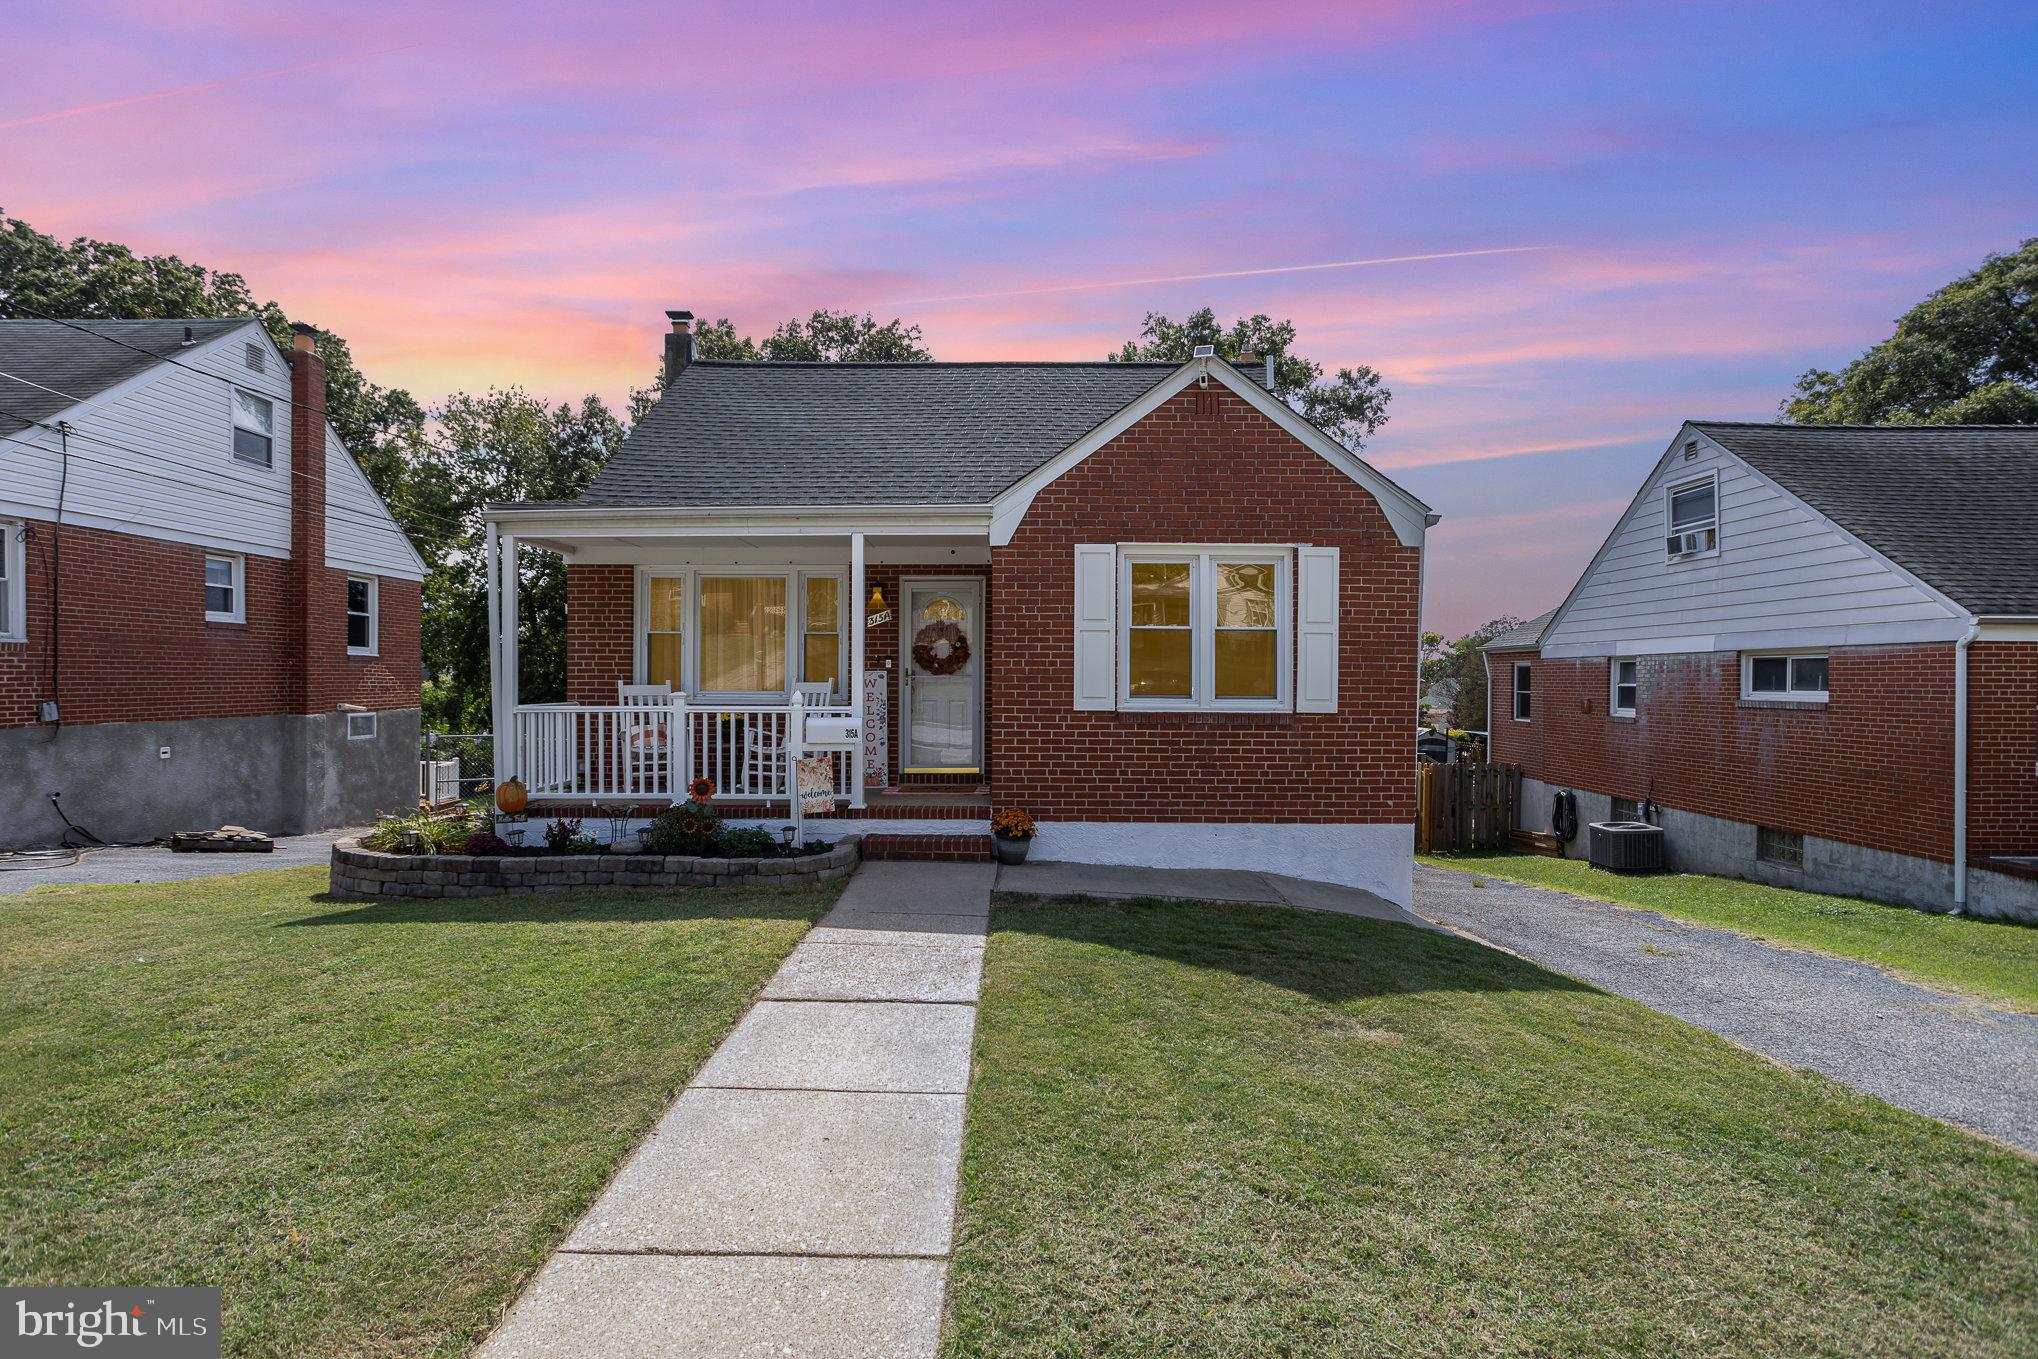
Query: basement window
point(1800, 679)
point(1779, 847)
point(225, 588)
point(360, 726)
point(254, 429)
point(1625, 809)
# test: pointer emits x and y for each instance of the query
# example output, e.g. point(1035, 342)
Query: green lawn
point(368, 1123)
point(1993, 959)
point(1220, 1130)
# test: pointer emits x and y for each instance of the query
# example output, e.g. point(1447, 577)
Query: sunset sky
point(1695, 202)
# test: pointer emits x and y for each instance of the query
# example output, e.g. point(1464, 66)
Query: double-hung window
point(821, 639)
point(225, 588)
point(1524, 674)
point(254, 428)
point(1625, 676)
point(1692, 511)
point(13, 583)
point(362, 621)
point(1800, 678)
point(665, 606)
point(1205, 628)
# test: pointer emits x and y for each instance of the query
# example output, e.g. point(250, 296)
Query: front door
point(942, 639)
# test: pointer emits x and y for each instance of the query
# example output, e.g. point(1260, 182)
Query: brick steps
point(942, 848)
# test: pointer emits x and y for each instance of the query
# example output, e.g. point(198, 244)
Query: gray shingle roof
point(1956, 505)
point(860, 433)
point(1523, 638)
point(78, 365)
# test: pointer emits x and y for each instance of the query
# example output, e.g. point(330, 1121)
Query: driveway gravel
point(1948, 1057)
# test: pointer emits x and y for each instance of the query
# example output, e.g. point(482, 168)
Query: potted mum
point(1012, 832)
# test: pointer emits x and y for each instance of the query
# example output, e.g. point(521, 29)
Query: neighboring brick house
point(207, 615)
point(1147, 602)
point(1815, 650)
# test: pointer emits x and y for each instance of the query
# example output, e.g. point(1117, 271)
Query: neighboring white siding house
point(154, 456)
point(1778, 573)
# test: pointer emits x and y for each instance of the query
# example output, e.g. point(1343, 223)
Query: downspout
point(1960, 764)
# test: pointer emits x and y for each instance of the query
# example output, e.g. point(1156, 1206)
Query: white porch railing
point(571, 750)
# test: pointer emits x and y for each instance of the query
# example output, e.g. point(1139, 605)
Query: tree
point(88, 280)
point(1464, 661)
point(1350, 407)
point(824, 337)
point(1966, 355)
point(506, 445)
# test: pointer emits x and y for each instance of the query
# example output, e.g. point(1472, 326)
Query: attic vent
point(251, 354)
point(1691, 448)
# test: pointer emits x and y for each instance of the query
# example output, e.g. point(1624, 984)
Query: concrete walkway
point(1949, 1057)
point(798, 1199)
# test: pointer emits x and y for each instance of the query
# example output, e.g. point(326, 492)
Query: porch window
point(821, 642)
point(743, 634)
point(1205, 629)
point(662, 633)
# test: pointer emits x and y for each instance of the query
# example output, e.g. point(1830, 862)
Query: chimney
point(678, 344)
point(315, 617)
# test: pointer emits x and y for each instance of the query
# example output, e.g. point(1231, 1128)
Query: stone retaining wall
point(363, 874)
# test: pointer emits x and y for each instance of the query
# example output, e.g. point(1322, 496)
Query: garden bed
point(362, 873)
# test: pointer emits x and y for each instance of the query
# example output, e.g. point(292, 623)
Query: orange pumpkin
point(511, 797)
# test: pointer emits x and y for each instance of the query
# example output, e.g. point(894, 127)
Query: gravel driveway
point(1954, 1059)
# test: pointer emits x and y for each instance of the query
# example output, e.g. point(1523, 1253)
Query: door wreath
point(940, 648)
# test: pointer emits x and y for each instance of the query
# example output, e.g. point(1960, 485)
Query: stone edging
point(362, 874)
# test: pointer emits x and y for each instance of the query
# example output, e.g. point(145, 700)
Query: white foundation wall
point(1378, 858)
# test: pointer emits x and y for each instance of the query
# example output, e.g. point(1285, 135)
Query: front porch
point(698, 651)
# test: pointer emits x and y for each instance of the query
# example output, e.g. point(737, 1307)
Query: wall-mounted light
point(877, 598)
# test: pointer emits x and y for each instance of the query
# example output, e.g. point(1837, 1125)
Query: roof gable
point(57, 365)
point(1953, 504)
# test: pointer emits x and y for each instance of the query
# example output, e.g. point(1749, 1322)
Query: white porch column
point(512, 613)
point(498, 718)
point(856, 631)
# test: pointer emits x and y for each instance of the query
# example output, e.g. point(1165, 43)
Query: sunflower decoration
point(940, 648)
point(701, 790)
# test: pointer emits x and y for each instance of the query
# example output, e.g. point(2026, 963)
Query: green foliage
point(1349, 407)
point(690, 828)
point(1463, 661)
point(1966, 355)
point(442, 832)
point(749, 843)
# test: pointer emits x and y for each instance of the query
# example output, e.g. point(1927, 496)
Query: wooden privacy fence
point(1465, 805)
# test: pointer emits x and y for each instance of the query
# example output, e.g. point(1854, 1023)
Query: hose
point(1564, 814)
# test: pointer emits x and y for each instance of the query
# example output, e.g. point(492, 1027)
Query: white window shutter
point(1316, 596)
point(1096, 606)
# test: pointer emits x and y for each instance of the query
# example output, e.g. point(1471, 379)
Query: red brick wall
point(1873, 767)
point(2002, 748)
point(136, 646)
point(1229, 477)
point(601, 610)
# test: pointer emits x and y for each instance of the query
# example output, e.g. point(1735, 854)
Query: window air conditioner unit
point(1689, 544)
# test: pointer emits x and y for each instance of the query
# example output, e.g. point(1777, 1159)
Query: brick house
point(207, 615)
point(1147, 602)
point(1813, 650)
